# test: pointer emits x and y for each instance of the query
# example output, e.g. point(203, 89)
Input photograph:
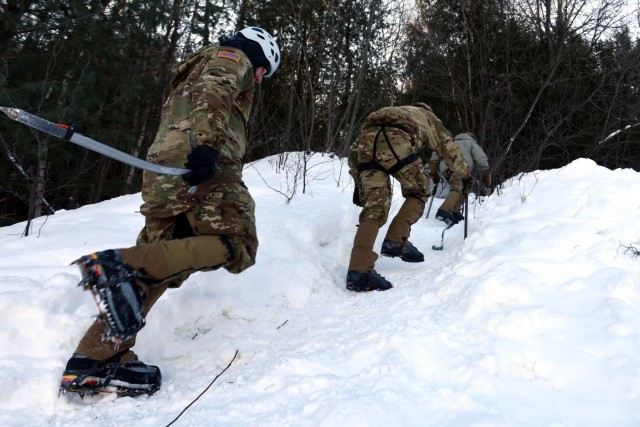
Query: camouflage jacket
point(426, 131)
point(211, 94)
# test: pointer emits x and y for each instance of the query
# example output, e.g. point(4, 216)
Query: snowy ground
point(533, 320)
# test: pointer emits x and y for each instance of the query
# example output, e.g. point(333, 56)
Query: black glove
point(433, 171)
point(203, 163)
point(356, 194)
point(485, 177)
point(467, 184)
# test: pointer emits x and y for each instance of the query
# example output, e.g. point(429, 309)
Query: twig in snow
point(204, 391)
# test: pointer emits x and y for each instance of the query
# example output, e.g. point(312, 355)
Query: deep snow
point(533, 320)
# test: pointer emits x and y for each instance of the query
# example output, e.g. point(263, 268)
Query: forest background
point(540, 82)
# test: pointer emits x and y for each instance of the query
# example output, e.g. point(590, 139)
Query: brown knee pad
point(92, 344)
point(453, 202)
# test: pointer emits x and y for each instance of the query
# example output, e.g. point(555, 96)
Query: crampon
point(119, 300)
point(92, 388)
point(88, 377)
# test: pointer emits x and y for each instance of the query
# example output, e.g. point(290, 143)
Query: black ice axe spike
point(439, 248)
point(68, 134)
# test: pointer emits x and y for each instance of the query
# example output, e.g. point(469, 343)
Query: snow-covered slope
point(533, 320)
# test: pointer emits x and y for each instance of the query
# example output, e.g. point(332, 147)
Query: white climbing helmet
point(268, 45)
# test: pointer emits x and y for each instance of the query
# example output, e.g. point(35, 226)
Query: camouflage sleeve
point(447, 150)
point(451, 155)
point(225, 76)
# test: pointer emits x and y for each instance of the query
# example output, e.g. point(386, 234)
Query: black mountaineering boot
point(119, 299)
point(368, 281)
point(406, 251)
point(449, 218)
point(84, 375)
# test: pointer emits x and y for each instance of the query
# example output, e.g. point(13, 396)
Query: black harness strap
point(372, 164)
point(400, 163)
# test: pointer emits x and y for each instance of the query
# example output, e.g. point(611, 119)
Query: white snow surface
point(532, 320)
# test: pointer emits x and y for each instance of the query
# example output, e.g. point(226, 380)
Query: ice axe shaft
point(466, 212)
point(433, 195)
point(68, 134)
point(439, 248)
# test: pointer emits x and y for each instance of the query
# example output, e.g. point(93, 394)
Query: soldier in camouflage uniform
point(201, 221)
point(394, 141)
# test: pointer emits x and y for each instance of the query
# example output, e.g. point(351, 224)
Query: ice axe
point(433, 195)
point(466, 212)
point(466, 216)
point(69, 134)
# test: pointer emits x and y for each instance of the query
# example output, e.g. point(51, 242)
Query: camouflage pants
point(227, 210)
point(375, 185)
point(227, 215)
point(455, 183)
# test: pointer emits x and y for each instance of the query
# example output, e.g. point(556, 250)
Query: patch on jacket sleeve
point(229, 55)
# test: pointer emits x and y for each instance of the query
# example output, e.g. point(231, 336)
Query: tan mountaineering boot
point(95, 346)
point(451, 201)
point(119, 279)
point(363, 258)
point(449, 211)
point(409, 213)
point(166, 259)
point(396, 242)
point(361, 276)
